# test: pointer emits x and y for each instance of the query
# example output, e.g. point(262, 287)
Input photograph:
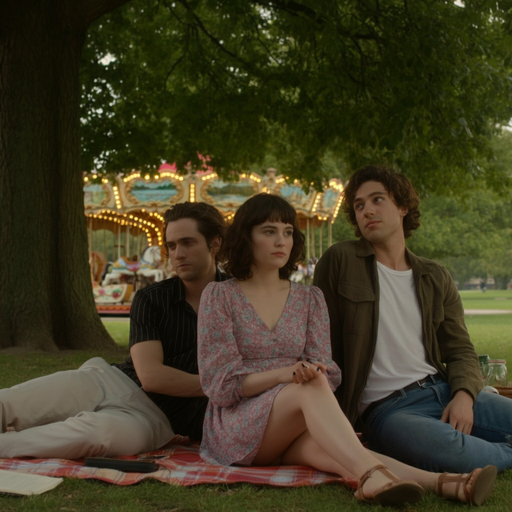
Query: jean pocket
point(443, 393)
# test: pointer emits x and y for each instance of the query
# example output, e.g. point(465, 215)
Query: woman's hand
point(304, 371)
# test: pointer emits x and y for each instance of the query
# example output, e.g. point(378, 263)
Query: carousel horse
point(148, 266)
point(97, 261)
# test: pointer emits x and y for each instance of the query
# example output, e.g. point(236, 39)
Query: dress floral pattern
point(234, 342)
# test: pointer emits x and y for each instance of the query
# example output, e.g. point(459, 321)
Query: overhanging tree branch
point(212, 38)
point(292, 8)
point(94, 9)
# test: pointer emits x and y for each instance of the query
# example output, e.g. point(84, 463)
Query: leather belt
point(415, 385)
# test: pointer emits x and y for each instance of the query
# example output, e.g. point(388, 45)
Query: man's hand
point(459, 412)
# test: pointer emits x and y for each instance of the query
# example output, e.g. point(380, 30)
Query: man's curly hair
point(397, 185)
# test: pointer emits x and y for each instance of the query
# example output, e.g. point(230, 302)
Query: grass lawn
point(490, 334)
point(119, 329)
point(491, 299)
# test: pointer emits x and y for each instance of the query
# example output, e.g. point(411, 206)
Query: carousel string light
point(112, 216)
point(117, 198)
point(157, 215)
point(131, 177)
point(336, 184)
point(317, 200)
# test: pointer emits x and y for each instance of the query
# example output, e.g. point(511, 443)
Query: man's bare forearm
point(156, 377)
point(171, 381)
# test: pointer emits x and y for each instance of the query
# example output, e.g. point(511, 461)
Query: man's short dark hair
point(237, 248)
point(210, 222)
point(398, 187)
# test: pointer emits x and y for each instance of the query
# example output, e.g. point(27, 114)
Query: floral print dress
point(234, 342)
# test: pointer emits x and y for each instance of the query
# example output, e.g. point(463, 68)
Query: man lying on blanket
point(137, 406)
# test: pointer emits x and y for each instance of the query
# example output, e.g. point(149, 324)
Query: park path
point(487, 311)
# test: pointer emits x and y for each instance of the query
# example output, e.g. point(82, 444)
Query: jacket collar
point(365, 249)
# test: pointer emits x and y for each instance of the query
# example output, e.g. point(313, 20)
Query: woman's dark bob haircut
point(237, 246)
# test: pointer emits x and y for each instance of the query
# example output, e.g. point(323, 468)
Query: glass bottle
point(498, 374)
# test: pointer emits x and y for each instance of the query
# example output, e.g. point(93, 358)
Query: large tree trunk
point(46, 297)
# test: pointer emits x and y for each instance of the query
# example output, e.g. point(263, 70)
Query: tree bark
point(46, 299)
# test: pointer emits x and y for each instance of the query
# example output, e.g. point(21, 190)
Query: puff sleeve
point(221, 368)
point(318, 342)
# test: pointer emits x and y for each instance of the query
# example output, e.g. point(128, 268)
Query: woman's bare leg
point(312, 406)
point(426, 479)
point(304, 450)
point(301, 412)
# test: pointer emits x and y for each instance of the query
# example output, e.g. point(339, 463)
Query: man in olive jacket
point(411, 377)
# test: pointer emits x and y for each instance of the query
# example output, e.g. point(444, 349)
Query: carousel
point(125, 223)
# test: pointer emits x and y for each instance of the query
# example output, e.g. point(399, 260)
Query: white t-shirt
point(400, 357)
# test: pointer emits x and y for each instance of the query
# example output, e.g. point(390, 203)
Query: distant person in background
point(482, 285)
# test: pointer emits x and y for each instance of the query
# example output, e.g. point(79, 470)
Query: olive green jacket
point(347, 275)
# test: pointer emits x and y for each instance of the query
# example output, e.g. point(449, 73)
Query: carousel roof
point(140, 200)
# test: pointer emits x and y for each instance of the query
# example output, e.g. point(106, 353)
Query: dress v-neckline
point(256, 312)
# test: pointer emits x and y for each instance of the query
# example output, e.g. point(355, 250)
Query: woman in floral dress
point(265, 364)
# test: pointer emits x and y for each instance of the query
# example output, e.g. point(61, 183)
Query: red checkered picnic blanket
point(180, 465)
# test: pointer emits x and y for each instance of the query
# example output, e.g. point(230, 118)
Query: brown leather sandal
point(477, 492)
point(395, 492)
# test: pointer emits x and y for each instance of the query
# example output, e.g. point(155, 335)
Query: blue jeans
point(409, 428)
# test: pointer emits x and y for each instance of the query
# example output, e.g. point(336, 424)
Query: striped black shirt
point(160, 312)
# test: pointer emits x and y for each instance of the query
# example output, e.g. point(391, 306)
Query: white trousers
point(94, 411)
